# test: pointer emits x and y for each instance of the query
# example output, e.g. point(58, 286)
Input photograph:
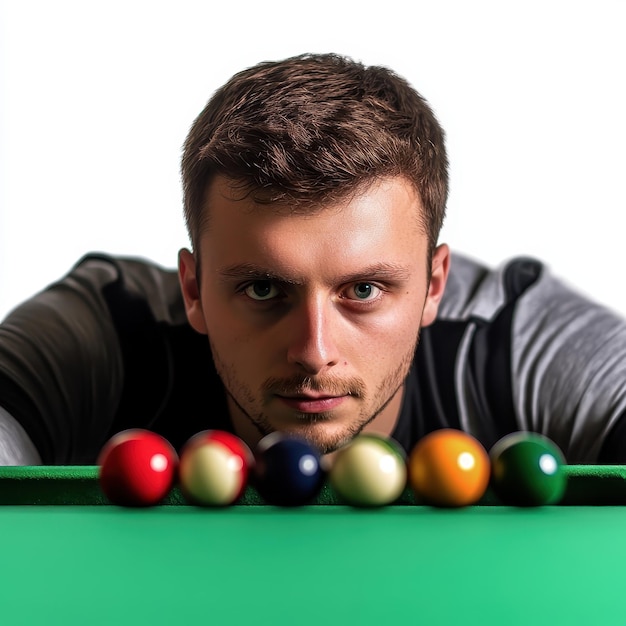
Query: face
point(313, 319)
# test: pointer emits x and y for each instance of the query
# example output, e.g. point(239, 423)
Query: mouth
point(312, 402)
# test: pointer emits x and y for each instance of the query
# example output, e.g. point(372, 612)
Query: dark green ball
point(527, 470)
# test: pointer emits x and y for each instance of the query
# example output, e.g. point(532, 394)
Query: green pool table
point(68, 558)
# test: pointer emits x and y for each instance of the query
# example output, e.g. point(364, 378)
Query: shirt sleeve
point(568, 368)
point(61, 370)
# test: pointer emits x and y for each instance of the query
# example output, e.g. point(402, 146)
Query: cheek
point(387, 338)
point(235, 341)
point(222, 329)
point(402, 317)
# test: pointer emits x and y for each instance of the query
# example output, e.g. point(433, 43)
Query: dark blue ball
point(287, 470)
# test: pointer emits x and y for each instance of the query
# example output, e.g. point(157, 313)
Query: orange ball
point(449, 468)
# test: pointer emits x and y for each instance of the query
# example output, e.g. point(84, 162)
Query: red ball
point(214, 468)
point(137, 468)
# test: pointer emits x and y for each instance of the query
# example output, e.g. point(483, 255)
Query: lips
point(313, 402)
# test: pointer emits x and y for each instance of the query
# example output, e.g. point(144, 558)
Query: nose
point(311, 336)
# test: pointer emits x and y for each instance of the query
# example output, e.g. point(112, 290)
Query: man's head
point(315, 189)
point(312, 129)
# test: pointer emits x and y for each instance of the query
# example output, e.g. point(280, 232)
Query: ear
point(440, 266)
point(188, 278)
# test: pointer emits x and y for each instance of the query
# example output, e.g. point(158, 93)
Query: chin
point(325, 437)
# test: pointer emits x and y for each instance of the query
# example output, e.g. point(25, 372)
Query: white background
point(96, 100)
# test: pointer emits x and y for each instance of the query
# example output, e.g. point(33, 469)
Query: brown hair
point(311, 129)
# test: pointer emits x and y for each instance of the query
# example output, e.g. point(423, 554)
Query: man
point(315, 189)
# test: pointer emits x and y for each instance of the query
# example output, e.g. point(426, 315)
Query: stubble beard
point(319, 429)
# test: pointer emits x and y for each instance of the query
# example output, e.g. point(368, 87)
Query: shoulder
point(474, 290)
point(127, 280)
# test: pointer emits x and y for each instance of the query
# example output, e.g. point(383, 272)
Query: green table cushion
point(78, 485)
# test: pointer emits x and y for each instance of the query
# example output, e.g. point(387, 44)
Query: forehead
point(382, 222)
point(225, 193)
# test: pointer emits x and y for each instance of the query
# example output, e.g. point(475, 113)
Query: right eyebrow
point(251, 271)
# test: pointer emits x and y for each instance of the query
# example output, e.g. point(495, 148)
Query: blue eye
point(365, 291)
point(261, 290)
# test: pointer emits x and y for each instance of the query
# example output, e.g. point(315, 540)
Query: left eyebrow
point(377, 271)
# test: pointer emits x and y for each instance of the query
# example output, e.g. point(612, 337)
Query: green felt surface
point(175, 564)
point(312, 566)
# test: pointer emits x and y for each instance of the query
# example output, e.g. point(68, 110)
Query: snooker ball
point(287, 470)
point(369, 471)
point(449, 468)
point(137, 468)
point(214, 468)
point(527, 470)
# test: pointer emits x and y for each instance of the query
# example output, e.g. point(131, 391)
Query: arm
point(92, 355)
point(61, 371)
point(530, 353)
point(569, 371)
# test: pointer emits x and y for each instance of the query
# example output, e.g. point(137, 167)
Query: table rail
point(78, 485)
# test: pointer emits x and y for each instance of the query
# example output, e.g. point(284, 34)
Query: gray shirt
point(108, 347)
